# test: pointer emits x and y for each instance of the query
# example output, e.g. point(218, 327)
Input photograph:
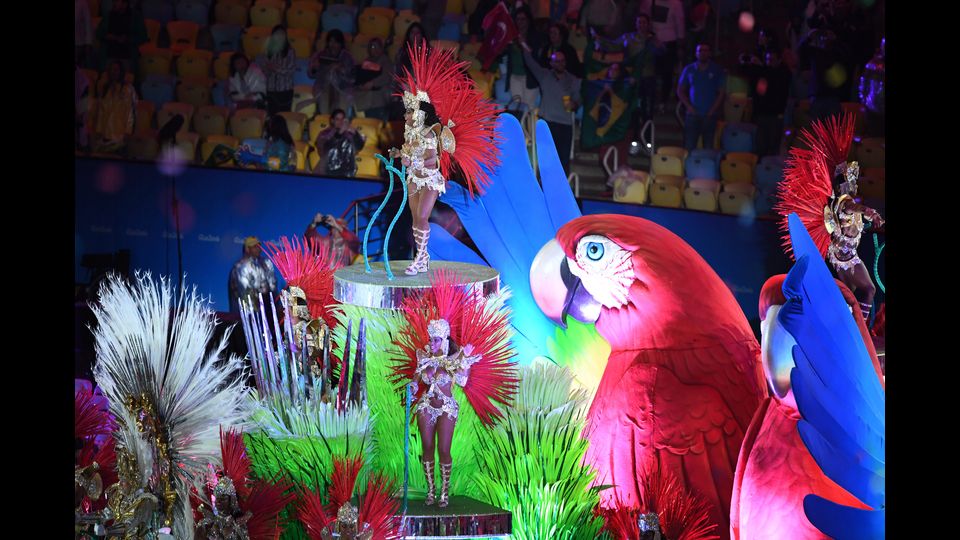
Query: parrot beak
point(557, 291)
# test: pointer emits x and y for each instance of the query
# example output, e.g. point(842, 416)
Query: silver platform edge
point(354, 286)
point(464, 518)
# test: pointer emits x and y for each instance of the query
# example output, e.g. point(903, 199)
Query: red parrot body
point(683, 378)
point(775, 470)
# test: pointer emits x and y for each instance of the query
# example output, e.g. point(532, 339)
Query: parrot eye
point(594, 251)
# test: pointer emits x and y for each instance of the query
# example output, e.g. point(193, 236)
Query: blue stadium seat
point(404, 4)
point(769, 174)
point(340, 16)
point(158, 88)
point(382, 3)
point(301, 76)
point(702, 166)
point(739, 137)
point(193, 10)
point(450, 30)
point(715, 155)
point(219, 93)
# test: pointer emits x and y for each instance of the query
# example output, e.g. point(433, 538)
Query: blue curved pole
point(402, 174)
point(373, 219)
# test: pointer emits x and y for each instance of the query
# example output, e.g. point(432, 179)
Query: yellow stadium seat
point(696, 198)
point(187, 142)
point(247, 123)
point(484, 80)
point(303, 100)
point(368, 166)
point(371, 129)
point(670, 179)
point(262, 14)
point(736, 187)
point(375, 22)
point(317, 124)
point(732, 171)
point(302, 149)
point(172, 108)
point(154, 61)
point(675, 151)
point(183, 35)
point(872, 152)
point(255, 39)
point(664, 164)
point(736, 204)
point(221, 66)
point(230, 13)
point(455, 7)
point(211, 141)
point(211, 120)
point(401, 22)
point(631, 190)
point(302, 41)
point(194, 63)
point(153, 29)
point(144, 118)
point(736, 108)
point(665, 195)
point(745, 157)
point(142, 146)
point(295, 123)
point(195, 91)
point(304, 15)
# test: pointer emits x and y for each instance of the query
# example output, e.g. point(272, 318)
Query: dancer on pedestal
point(449, 132)
point(452, 338)
point(820, 186)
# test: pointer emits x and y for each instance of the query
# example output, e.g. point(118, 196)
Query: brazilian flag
point(607, 104)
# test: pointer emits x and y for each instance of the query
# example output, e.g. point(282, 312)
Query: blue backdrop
point(126, 205)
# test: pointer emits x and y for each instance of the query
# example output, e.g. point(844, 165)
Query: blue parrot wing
point(556, 188)
point(837, 392)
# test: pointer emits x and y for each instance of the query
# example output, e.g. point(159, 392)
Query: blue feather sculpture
point(838, 394)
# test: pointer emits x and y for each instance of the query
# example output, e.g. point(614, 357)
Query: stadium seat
point(254, 40)
point(368, 166)
point(738, 137)
point(262, 14)
point(702, 166)
point(732, 171)
point(226, 37)
point(736, 108)
point(188, 142)
point(210, 142)
point(303, 100)
point(183, 35)
point(247, 123)
point(631, 189)
point(295, 123)
point(211, 120)
point(194, 63)
point(401, 22)
point(302, 42)
point(317, 124)
point(142, 146)
point(340, 16)
point(153, 30)
point(676, 151)
point(230, 13)
point(371, 129)
point(193, 11)
point(661, 164)
point(304, 15)
point(195, 91)
point(665, 195)
point(696, 198)
point(154, 61)
point(375, 21)
point(158, 88)
point(172, 108)
point(736, 204)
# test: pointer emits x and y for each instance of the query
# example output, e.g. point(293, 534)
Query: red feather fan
point(457, 99)
point(807, 183)
point(91, 420)
point(306, 264)
point(683, 515)
point(236, 463)
point(494, 378)
point(343, 480)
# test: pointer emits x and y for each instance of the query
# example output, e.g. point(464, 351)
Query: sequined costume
point(417, 141)
point(438, 372)
point(845, 236)
point(251, 276)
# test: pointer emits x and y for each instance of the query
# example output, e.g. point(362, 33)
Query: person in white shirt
point(248, 85)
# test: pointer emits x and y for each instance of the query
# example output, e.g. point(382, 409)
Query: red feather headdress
point(807, 184)
point(308, 266)
point(494, 378)
point(462, 109)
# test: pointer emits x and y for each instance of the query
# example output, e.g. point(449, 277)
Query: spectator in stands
point(332, 69)
point(601, 16)
point(342, 244)
point(121, 32)
point(701, 89)
point(82, 31)
point(81, 88)
point(522, 84)
point(279, 62)
point(642, 48)
point(373, 79)
point(557, 37)
point(116, 110)
point(872, 91)
point(475, 19)
point(823, 63)
point(431, 14)
point(561, 96)
point(415, 36)
point(251, 276)
point(280, 152)
point(668, 24)
point(770, 89)
point(338, 146)
point(247, 85)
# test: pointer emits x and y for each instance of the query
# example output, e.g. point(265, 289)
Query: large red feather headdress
point(307, 265)
point(440, 79)
point(493, 379)
point(807, 184)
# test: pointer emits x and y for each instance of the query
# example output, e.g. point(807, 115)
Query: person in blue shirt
point(701, 89)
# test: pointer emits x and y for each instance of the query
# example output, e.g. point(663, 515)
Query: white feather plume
point(147, 345)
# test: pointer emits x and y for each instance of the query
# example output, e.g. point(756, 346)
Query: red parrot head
point(641, 284)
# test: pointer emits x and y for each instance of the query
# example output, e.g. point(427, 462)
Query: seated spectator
point(701, 89)
point(342, 244)
point(561, 96)
point(557, 36)
point(338, 146)
point(121, 32)
point(248, 85)
point(332, 67)
point(116, 110)
point(278, 62)
point(770, 89)
point(373, 79)
point(280, 153)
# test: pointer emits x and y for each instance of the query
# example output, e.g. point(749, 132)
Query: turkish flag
point(498, 31)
